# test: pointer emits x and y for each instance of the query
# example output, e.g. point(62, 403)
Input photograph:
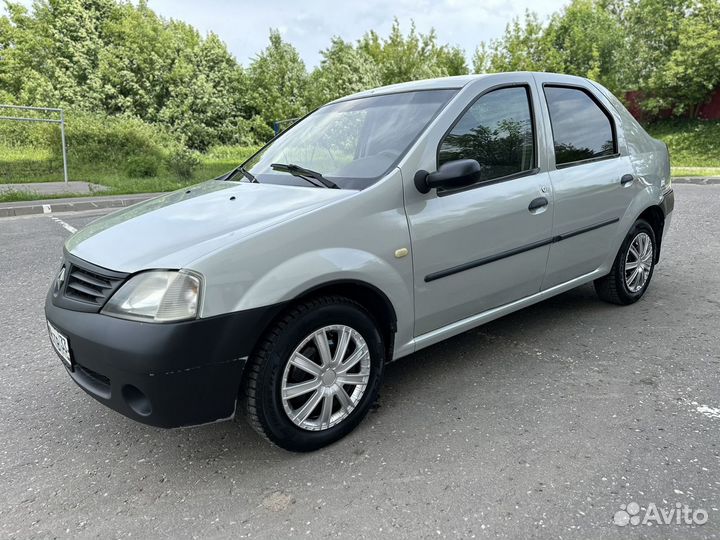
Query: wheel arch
point(655, 216)
point(367, 295)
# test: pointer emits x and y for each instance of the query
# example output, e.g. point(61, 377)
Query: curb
point(71, 204)
point(700, 180)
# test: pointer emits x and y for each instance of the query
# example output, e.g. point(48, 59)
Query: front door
point(486, 245)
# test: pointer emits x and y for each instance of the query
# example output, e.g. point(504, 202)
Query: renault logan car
point(377, 225)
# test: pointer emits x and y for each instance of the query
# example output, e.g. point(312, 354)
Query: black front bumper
point(165, 375)
point(668, 202)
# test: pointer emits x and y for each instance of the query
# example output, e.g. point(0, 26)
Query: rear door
point(485, 245)
point(592, 179)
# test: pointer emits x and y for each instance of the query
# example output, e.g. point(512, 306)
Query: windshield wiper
point(307, 174)
point(242, 170)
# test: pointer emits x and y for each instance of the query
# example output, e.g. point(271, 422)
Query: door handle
point(538, 203)
point(626, 179)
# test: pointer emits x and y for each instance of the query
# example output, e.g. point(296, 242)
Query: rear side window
point(581, 128)
point(497, 131)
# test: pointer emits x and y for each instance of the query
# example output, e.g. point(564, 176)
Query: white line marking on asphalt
point(46, 209)
point(66, 225)
point(710, 412)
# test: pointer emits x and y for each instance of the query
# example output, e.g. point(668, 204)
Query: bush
point(231, 154)
point(692, 143)
point(142, 166)
point(110, 150)
point(183, 162)
point(29, 151)
point(109, 140)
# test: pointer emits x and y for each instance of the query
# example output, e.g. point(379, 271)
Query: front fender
point(353, 239)
point(310, 270)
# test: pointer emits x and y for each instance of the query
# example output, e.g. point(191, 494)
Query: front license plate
point(61, 345)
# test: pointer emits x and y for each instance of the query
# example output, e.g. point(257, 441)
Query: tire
point(270, 385)
point(614, 287)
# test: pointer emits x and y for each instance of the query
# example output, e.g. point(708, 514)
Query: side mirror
point(453, 174)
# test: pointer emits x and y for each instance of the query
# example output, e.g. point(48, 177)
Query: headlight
point(157, 296)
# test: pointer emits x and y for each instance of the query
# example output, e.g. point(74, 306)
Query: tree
point(136, 65)
point(652, 30)
point(7, 40)
point(277, 82)
point(54, 54)
point(589, 42)
point(343, 70)
point(417, 56)
point(523, 47)
point(103, 56)
point(205, 106)
point(692, 71)
point(667, 49)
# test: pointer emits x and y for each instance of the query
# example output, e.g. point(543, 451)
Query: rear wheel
point(315, 374)
point(633, 267)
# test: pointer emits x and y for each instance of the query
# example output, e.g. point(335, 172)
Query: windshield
point(352, 142)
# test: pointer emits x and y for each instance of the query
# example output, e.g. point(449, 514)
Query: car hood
point(173, 230)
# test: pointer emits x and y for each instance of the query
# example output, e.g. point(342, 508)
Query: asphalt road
point(541, 424)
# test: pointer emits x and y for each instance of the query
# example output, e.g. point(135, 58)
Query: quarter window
point(581, 129)
point(497, 131)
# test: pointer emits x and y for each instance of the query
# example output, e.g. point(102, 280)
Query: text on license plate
point(60, 344)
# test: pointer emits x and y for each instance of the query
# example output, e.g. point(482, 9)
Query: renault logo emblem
point(59, 280)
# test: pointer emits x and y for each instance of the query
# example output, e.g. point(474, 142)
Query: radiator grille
point(91, 287)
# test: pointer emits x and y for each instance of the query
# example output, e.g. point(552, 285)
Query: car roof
point(439, 83)
point(442, 83)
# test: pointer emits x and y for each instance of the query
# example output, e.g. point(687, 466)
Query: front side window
point(497, 131)
point(352, 142)
point(581, 129)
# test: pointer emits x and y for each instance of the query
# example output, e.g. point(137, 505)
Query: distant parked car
point(377, 225)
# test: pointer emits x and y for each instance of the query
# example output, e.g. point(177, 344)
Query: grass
point(24, 196)
point(212, 164)
point(694, 145)
point(696, 171)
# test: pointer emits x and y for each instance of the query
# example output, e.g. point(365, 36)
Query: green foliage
point(582, 39)
point(416, 56)
point(652, 30)
point(136, 84)
point(692, 143)
point(141, 166)
point(95, 144)
point(279, 78)
point(343, 70)
point(122, 59)
point(523, 47)
point(26, 163)
point(108, 140)
point(692, 70)
point(587, 41)
point(206, 109)
point(183, 162)
point(667, 49)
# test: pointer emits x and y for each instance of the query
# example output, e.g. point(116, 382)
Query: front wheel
point(633, 267)
point(315, 374)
